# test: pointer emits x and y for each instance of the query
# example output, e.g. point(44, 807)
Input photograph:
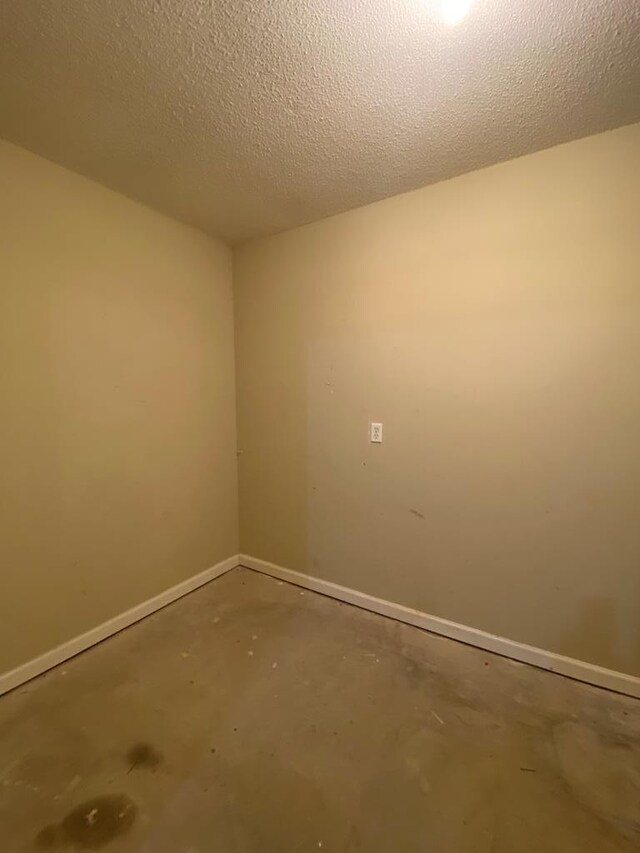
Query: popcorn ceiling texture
point(246, 118)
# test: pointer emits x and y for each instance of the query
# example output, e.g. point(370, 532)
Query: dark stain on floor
point(143, 756)
point(440, 756)
point(91, 825)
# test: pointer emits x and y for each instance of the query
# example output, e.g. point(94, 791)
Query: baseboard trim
point(576, 669)
point(608, 679)
point(15, 677)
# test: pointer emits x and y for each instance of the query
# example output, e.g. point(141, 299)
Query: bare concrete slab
point(254, 717)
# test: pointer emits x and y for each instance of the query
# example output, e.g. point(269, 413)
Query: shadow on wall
point(599, 633)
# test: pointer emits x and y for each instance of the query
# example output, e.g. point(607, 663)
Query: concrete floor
point(252, 717)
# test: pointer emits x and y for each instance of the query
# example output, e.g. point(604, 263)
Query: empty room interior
point(320, 426)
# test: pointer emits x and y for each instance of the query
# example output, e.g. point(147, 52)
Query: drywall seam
point(27, 671)
point(579, 670)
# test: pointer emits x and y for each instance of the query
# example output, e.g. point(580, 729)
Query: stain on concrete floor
point(90, 825)
point(143, 756)
point(343, 731)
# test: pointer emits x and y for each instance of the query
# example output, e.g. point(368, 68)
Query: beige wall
point(492, 323)
point(117, 413)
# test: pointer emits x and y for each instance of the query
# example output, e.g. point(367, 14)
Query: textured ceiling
point(245, 118)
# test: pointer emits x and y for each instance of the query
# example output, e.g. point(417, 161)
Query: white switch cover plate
point(375, 433)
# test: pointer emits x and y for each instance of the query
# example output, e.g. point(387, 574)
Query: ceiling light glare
point(453, 11)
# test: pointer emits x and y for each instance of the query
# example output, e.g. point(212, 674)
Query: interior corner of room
point(490, 321)
point(319, 426)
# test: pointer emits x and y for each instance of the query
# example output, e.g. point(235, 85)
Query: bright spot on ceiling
point(453, 11)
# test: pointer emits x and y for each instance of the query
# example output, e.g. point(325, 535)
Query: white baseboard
point(579, 670)
point(29, 670)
